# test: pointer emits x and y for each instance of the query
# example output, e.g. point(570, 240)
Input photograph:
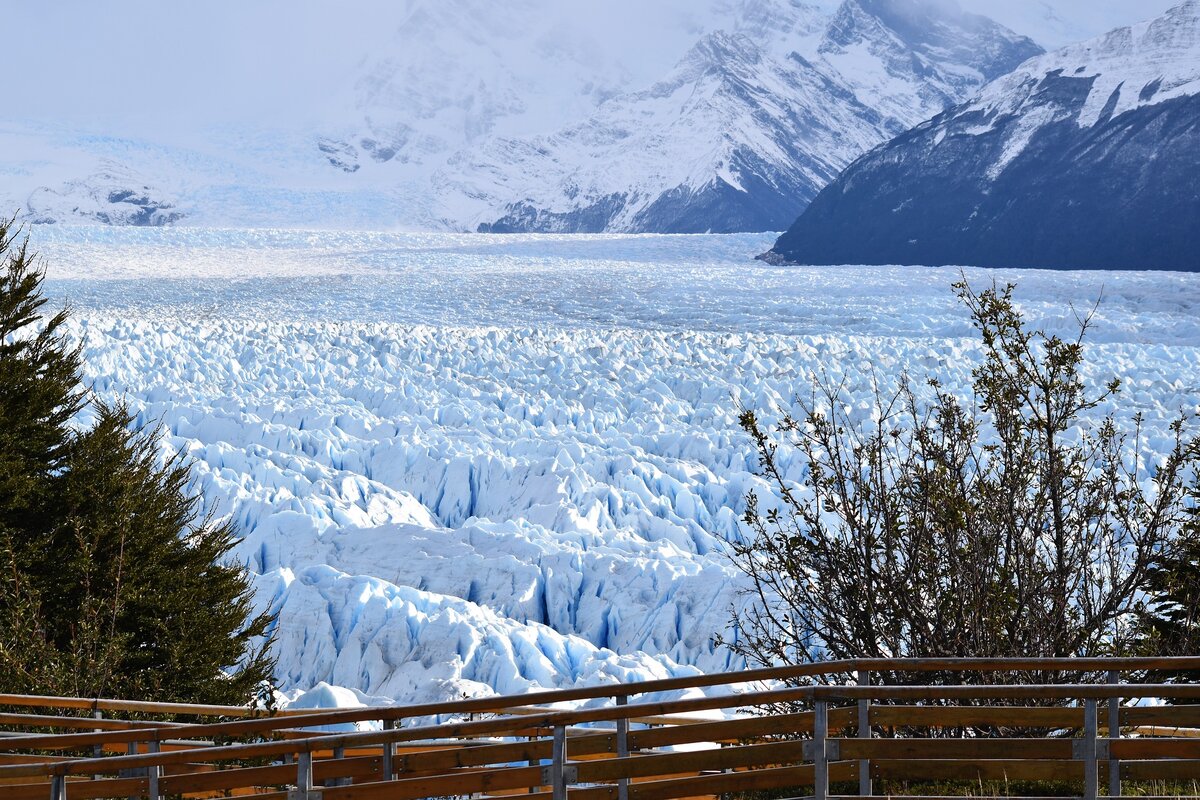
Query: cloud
point(1058, 22)
point(189, 63)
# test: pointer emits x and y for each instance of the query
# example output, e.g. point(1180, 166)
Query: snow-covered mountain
point(113, 195)
point(749, 126)
point(671, 116)
point(1088, 157)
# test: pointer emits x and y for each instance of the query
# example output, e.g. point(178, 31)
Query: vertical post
point(97, 749)
point(1089, 749)
point(864, 732)
point(1114, 733)
point(58, 787)
point(558, 764)
point(304, 775)
point(153, 773)
point(820, 754)
point(131, 749)
point(534, 762)
point(338, 754)
point(622, 747)
point(389, 753)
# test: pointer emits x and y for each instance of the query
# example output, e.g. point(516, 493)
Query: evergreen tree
point(39, 389)
point(28, 662)
point(130, 526)
point(1171, 619)
point(114, 582)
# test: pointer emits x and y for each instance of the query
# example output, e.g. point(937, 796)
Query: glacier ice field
point(467, 464)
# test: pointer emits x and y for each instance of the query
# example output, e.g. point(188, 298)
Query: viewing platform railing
point(985, 726)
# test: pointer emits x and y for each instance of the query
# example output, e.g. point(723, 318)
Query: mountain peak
point(1127, 68)
point(931, 39)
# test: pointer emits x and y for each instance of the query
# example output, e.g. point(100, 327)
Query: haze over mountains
point(749, 126)
point(679, 116)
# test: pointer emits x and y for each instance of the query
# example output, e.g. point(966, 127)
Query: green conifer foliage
point(39, 388)
point(130, 525)
point(115, 583)
point(1171, 620)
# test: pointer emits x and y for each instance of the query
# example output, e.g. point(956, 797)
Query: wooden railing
point(761, 734)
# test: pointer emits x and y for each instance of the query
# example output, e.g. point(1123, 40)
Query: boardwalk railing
point(851, 727)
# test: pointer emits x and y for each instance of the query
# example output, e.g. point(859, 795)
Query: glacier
point(467, 464)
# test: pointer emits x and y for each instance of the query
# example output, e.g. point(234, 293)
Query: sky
point(1053, 23)
point(297, 60)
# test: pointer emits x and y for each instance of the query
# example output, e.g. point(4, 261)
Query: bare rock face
point(1088, 157)
point(342, 155)
point(111, 196)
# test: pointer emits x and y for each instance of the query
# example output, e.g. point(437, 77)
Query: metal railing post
point(623, 747)
point(534, 762)
point(97, 749)
point(558, 764)
point(1114, 733)
point(820, 754)
point(304, 776)
point(58, 787)
point(338, 754)
point(153, 773)
point(1090, 724)
point(131, 749)
point(389, 753)
point(865, 787)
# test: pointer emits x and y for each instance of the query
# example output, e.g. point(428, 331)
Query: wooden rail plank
point(1182, 770)
point(1180, 716)
point(961, 749)
point(27, 791)
point(707, 785)
point(79, 790)
point(725, 731)
point(703, 785)
point(133, 706)
point(706, 732)
point(1043, 693)
point(976, 770)
point(481, 755)
point(441, 785)
point(21, 758)
point(755, 755)
point(976, 716)
point(81, 723)
point(279, 774)
point(1145, 749)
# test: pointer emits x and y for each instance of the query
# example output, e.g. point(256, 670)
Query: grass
point(983, 789)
